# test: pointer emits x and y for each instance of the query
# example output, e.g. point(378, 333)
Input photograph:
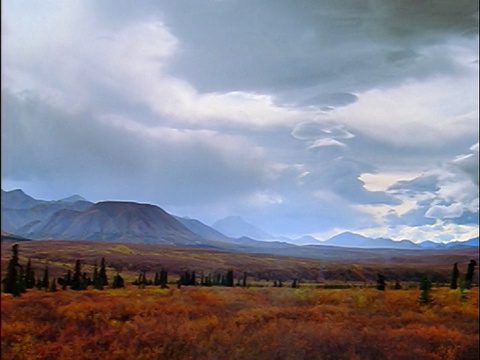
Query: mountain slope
point(15, 219)
point(114, 221)
point(203, 230)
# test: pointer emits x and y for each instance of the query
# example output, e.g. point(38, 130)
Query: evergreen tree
point(21, 280)
point(53, 286)
point(469, 274)
point(97, 280)
point(68, 279)
point(45, 282)
point(78, 281)
point(118, 282)
point(103, 273)
point(11, 280)
point(229, 278)
point(381, 282)
point(244, 281)
point(86, 280)
point(163, 279)
point(425, 286)
point(29, 276)
point(294, 283)
point(455, 274)
point(141, 281)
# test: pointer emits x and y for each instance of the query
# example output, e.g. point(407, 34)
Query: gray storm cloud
point(271, 110)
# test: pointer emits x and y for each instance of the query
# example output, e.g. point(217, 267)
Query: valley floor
point(239, 323)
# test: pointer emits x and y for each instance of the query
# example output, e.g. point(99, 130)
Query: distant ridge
point(453, 244)
point(17, 199)
point(73, 198)
point(348, 239)
point(236, 227)
point(74, 218)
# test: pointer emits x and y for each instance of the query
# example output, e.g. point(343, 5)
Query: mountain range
point(75, 218)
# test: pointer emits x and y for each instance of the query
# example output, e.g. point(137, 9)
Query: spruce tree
point(22, 280)
point(229, 278)
point(455, 274)
point(45, 282)
point(53, 286)
point(425, 286)
point(118, 282)
point(103, 272)
point(163, 279)
point(97, 281)
point(469, 274)
point(29, 276)
point(381, 282)
point(11, 280)
point(78, 281)
point(68, 279)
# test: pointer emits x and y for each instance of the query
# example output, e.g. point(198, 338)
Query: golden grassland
point(239, 323)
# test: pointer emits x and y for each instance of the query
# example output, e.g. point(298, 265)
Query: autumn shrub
point(239, 323)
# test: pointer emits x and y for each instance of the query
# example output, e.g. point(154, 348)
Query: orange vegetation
point(239, 323)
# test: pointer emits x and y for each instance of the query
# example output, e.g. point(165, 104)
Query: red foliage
point(239, 323)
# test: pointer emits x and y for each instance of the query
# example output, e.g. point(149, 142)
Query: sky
point(302, 117)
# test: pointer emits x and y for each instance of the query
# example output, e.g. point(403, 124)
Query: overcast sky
point(302, 117)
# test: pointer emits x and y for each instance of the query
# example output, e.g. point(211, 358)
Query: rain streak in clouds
point(304, 118)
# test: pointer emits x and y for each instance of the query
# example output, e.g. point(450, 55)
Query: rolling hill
point(119, 221)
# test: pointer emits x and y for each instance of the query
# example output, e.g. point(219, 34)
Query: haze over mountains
point(75, 218)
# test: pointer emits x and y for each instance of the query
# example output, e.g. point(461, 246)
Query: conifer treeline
point(19, 278)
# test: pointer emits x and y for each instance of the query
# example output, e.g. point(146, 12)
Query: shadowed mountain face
point(110, 220)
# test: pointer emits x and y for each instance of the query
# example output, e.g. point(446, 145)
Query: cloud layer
point(267, 110)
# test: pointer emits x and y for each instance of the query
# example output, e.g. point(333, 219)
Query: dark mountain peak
point(117, 208)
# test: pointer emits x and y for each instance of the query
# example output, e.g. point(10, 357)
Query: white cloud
point(417, 114)
point(445, 212)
